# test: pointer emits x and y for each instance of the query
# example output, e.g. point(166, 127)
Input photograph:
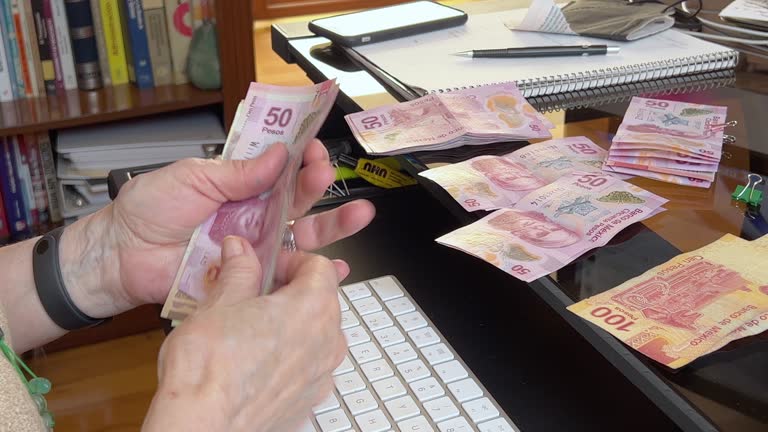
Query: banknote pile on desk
point(480, 115)
point(690, 306)
point(268, 115)
point(675, 142)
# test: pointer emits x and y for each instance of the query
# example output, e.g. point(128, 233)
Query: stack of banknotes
point(555, 224)
point(675, 142)
point(479, 115)
point(268, 115)
point(493, 182)
point(690, 306)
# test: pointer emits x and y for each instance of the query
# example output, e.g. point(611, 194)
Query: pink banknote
point(669, 178)
point(708, 176)
point(271, 114)
point(660, 154)
point(549, 228)
point(479, 115)
point(492, 182)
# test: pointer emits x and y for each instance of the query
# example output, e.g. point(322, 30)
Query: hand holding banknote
point(206, 364)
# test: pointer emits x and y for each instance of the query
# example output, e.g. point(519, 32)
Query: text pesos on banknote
point(689, 306)
point(268, 115)
point(492, 182)
point(439, 121)
point(552, 226)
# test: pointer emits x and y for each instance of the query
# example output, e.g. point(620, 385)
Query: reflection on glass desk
point(727, 390)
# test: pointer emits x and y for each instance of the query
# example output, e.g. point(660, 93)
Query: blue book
point(137, 52)
point(12, 50)
point(13, 196)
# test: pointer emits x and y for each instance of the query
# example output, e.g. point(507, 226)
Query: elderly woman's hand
point(136, 244)
point(252, 363)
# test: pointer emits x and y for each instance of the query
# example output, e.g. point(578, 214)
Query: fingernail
point(231, 247)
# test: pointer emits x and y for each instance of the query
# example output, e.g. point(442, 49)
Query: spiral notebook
point(425, 64)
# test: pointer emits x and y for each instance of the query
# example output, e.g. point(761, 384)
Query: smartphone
point(389, 22)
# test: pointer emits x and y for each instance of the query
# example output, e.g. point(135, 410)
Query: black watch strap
point(50, 285)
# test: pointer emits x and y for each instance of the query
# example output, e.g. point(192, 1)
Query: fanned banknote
point(268, 115)
point(552, 226)
point(478, 115)
point(691, 305)
point(654, 132)
point(492, 182)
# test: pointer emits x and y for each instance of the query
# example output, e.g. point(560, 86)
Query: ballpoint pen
point(541, 51)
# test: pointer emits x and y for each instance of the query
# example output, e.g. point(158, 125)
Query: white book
point(6, 89)
point(28, 39)
point(139, 154)
point(66, 56)
point(185, 129)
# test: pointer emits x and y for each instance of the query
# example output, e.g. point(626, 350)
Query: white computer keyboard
point(400, 373)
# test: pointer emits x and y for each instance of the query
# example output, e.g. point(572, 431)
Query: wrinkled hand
point(252, 363)
point(152, 219)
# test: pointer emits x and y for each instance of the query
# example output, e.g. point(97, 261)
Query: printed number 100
point(619, 321)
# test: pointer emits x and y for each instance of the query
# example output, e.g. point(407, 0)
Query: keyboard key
point(389, 336)
point(465, 390)
point(360, 402)
point(400, 306)
point(330, 403)
point(441, 409)
point(480, 409)
point(376, 370)
point(436, 354)
point(365, 352)
point(345, 366)
point(356, 335)
point(348, 319)
point(498, 425)
point(427, 389)
point(378, 320)
point(356, 291)
point(402, 408)
point(349, 383)
point(401, 353)
point(417, 424)
point(374, 421)
point(334, 421)
point(386, 288)
point(412, 321)
point(451, 371)
point(413, 370)
point(343, 303)
point(389, 388)
point(458, 424)
point(424, 337)
point(307, 426)
point(367, 305)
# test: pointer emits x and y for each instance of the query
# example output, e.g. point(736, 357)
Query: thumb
point(240, 275)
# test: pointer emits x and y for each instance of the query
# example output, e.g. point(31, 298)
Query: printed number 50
point(593, 180)
point(371, 122)
point(275, 116)
point(520, 269)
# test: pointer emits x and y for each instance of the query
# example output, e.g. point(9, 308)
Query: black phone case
point(393, 33)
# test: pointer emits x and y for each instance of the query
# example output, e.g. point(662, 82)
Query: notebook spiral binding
point(617, 76)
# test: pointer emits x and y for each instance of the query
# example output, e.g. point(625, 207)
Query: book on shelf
point(178, 16)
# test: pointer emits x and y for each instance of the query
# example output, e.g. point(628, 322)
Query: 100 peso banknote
point(689, 306)
point(552, 226)
point(268, 115)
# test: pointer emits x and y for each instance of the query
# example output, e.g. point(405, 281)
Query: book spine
point(6, 83)
point(44, 46)
point(30, 40)
point(64, 44)
point(137, 34)
point(178, 17)
point(12, 50)
point(24, 50)
point(101, 44)
point(50, 28)
point(49, 175)
point(25, 180)
point(113, 36)
point(38, 181)
point(159, 47)
point(12, 194)
point(83, 44)
point(4, 232)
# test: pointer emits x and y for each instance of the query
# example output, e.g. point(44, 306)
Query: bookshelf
point(111, 103)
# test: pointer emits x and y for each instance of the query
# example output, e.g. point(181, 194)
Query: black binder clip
point(748, 193)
